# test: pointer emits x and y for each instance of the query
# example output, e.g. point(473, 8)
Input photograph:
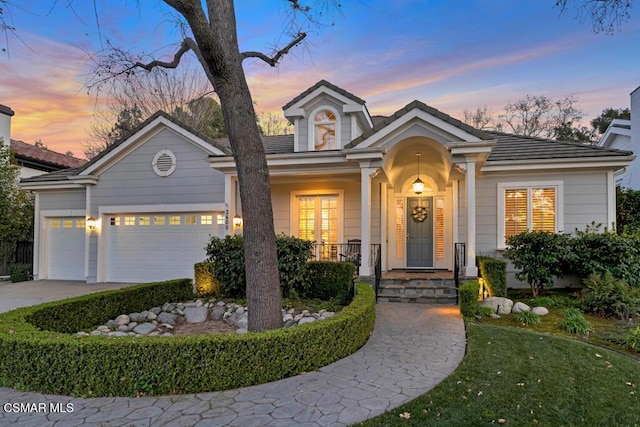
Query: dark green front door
point(420, 232)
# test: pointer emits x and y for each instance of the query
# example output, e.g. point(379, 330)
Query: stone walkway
point(413, 348)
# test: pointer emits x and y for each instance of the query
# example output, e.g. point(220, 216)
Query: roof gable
point(318, 86)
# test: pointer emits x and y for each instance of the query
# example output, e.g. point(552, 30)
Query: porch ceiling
point(401, 163)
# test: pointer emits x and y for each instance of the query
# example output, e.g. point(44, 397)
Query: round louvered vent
point(164, 163)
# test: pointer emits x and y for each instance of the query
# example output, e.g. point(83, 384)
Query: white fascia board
point(611, 133)
point(322, 90)
point(365, 154)
point(359, 112)
point(84, 179)
point(294, 112)
point(157, 208)
point(316, 172)
point(545, 164)
point(51, 185)
point(472, 147)
point(438, 124)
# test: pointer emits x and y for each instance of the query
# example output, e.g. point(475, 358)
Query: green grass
point(528, 378)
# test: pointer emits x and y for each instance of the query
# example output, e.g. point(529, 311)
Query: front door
point(420, 232)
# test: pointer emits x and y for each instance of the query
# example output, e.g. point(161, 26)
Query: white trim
point(296, 137)
point(529, 185)
point(293, 208)
point(311, 132)
point(365, 222)
point(471, 269)
point(51, 185)
point(37, 238)
point(154, 163)
point(87, 231)
point(611, 201)
point(297, 110)
point(546, 164)
point(187, 207)
point(456, 201)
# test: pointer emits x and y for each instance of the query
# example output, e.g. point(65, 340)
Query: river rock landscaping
point(193, 317)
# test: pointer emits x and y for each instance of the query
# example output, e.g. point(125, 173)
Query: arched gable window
point(324, 123)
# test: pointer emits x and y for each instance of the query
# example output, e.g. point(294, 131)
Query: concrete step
point(419, 299)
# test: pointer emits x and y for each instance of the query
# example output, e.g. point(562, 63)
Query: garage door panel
point(65, 248)
point(151, 249)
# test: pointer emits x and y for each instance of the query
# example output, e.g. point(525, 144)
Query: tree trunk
point(218, 45)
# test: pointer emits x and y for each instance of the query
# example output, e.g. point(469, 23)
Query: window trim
point(528, 185)
point(294, 210)
point(311, 145)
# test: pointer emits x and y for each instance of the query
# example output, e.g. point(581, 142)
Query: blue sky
point(450, 54)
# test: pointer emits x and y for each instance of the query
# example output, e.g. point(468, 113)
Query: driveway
point(23, 294)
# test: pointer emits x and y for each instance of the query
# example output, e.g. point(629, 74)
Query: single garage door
point(154, 247)
point(65, 248)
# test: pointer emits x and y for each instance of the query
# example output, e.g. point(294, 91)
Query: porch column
point(471, 269)
point(365, 222)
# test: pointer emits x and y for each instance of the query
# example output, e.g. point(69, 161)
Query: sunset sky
point(450, 54)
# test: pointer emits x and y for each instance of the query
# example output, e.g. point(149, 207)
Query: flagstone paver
point(412, 349)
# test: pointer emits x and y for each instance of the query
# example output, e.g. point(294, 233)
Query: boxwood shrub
point(468, 294)
point(205, 284)
point(37, 356)
point(494, 274)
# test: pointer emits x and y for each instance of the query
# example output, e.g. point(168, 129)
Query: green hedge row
point(53, 362)
point(494, 274)
point(330, 281)
point(468, 295)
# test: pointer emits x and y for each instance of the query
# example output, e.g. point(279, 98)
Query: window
point(174, 220)
point(129, 220)
point(54, 223)
point(144, 220)
point(80, 223)
point(67, 223)
point(440, 229)
point(524, 206)
point(206, 219)
point(190, 219)
point(324, 124)
point(220, 219)
point(317, 218)
point(159, 220)
point(114, 220)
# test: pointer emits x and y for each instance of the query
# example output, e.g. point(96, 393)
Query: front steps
point(418, 290)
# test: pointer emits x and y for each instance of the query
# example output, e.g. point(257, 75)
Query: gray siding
point(303, 124)
point(63, 199)
point(132, 180)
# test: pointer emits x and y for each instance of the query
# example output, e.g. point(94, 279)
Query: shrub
point(227, 256)
point(50, 362)
point(597, 252)
point(555, 301)
point(205, 284)
point(330, 281)
point(494, 274)
point(20, 272)
point(468, 294)
point(528, 318)
point(539, 256)
point(608, 296)
point(627, 210)
point(484, 311)
point(574, 322)
point(632, 339)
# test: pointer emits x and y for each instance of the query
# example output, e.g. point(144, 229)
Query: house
point(32, 160)
point(625, 135)
point(412, 184)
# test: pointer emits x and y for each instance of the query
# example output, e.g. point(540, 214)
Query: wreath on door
point(419, 213)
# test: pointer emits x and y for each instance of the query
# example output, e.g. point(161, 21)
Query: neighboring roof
point(6, 110)
point(382, 122)
point(328, 85)
point(50, 160)
point(517, 147)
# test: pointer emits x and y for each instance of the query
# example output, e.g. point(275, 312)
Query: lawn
point(517, 377)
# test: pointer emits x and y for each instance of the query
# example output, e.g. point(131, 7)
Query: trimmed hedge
point(205, 284)
point(52, 362)
point(468, 294)
point(330, 280)
point(494, 274)
point(19, 272)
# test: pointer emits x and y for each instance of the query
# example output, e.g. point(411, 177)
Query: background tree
point(605, 15)
point(627, 210)
point(209, 29)
point(273, 124)
point(16, 206)
point(602, 122)
point(184, 94)
point(480, 118)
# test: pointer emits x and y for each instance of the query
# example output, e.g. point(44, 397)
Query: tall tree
point(213, 38)
point(605, 15)
point(480, 118)
point(602, 122)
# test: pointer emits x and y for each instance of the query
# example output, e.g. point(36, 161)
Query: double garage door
point(154, 247)
point(139, 247)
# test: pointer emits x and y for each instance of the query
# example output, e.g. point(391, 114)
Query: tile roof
point(24, 151)
point(6, 110)
point(326, 84)
point(517, 147)
point(381, 122)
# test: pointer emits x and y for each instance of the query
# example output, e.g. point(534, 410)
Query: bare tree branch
point(187, 45)
point(606, 15)
point(273, 61)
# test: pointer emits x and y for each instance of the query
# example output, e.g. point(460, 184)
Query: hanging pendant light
point(418, 185)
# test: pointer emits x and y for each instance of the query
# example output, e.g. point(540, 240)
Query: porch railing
point(460, 261)
point(349, 252)
point(376, 250)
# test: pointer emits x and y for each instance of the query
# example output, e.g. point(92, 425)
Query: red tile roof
point(43, 155)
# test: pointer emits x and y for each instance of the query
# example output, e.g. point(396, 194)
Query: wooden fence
point(23, 254)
